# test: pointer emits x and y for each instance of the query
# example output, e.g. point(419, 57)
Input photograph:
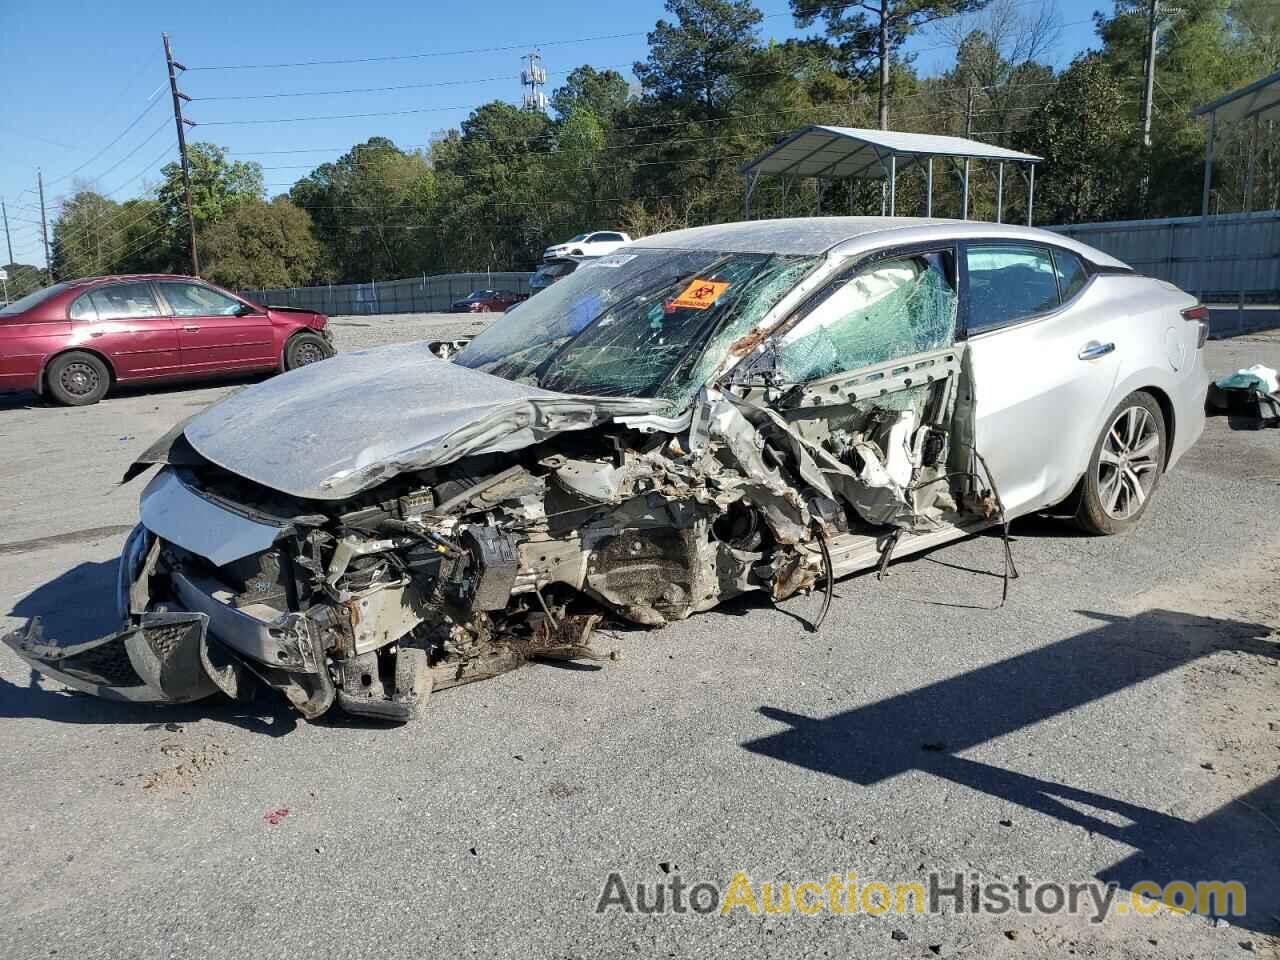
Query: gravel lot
point(1117, 719)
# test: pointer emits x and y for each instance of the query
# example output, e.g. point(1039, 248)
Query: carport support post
point(1248, 182)
point(893, 183)
point(1208, 165)
point(1031, 190)
point(964, 192)
point(749, 187)
point(1000, 193)
point(928, 190)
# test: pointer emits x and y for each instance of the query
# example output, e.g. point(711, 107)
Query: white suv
point(588, 244)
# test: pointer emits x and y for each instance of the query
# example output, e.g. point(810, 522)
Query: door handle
point(1093, 350)
point(191, 328)
point(96, 333)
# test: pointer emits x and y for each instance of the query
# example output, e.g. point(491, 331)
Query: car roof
point(811, 236)
point(85, 281)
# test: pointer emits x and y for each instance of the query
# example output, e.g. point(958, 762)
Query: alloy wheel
point(1128, 462)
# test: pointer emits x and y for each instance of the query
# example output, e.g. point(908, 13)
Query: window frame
point(118, 282)
point(850, 266)
point(1091, 270)
point(158, 286)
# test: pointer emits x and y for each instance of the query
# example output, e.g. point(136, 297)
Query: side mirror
point(244, 310)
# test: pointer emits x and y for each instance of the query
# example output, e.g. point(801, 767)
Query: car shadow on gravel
point(928, 728)
point(66, 619)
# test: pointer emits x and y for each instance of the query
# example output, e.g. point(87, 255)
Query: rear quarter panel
point(26, 342)
point(1160, 351)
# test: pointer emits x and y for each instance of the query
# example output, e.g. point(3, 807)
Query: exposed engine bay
point(446, 574)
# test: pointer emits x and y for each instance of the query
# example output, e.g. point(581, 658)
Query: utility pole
point(1148, 95)
point(968, 113)
point(884, 64)
point(7, 239)
point(44, 228)
point(182, 123)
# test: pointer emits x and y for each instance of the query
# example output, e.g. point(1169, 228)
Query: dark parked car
point(77, 339)
point(553, 270)
point(486, 301)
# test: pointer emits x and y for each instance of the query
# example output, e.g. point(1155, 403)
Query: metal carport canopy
point(839, 152)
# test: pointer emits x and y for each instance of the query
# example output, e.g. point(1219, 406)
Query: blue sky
point(87, 100)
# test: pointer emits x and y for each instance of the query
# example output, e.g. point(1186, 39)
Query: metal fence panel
point(1223, 258)
point(1220, 258)
point(412, 295)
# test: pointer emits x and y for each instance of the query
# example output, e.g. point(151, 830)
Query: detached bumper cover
point(157, 661)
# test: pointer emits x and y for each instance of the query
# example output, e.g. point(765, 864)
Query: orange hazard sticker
point(700, 294)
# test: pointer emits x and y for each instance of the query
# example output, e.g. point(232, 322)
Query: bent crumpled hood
point(329, 430)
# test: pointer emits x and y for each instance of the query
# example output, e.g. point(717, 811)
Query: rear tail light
point(1198, 314)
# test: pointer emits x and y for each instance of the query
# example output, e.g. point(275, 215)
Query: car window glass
point(123, 301)
point(1009, 283)
point(83, 309)
point(32, 300)
point(611, 237)
point(1071, 273)
point(631, 348)
point(196, 300)
point(883, 311)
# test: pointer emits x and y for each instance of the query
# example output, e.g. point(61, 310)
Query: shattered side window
point(887, 310)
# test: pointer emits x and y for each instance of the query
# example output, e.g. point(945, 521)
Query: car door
point(868, 356)
point(1044, 364)
point(124, 321)
point(216, 331)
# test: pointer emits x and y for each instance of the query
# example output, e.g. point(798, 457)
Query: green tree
point(260, 245)
point(576, 164)
point(24, 278)
point(498, 193)
point(1086, 136)
point(218, 185)
point(87, 237)
point(148, 243)
point(696, 59)
point(372, 211)
point(603, 92)
point(870, 34)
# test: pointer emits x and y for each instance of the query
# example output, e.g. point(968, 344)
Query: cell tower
point(532, 79)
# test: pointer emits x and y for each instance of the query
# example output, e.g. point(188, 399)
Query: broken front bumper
point(157, 656)
point(198, 643)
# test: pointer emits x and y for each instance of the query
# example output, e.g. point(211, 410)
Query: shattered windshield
point(642, 324)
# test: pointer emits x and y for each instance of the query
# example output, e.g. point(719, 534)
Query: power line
point(517, 46)
point(136, 120)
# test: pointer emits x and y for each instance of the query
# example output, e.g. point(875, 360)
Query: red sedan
point(77, 339)
point(487, 301)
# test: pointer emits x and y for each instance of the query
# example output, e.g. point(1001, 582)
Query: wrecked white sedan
point(757, 406)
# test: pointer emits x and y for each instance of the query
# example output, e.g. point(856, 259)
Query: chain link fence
point(413, 295)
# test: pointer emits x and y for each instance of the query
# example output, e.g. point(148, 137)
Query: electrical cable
point(829, 570)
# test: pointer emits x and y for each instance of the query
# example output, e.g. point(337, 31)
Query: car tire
point(1125, 468)
point(575, 253)
point(77, 379)
point(304, 349)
